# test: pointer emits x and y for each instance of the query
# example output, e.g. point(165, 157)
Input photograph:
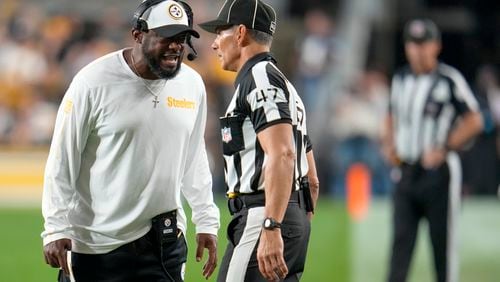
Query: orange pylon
point(358, 186)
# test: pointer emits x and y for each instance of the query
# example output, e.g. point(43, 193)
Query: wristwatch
point(270, 223)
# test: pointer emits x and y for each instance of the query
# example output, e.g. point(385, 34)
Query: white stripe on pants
point(453, 210)
point(243, 251)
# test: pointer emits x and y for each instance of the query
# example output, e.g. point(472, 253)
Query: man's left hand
point(207, 241)
point(433, 158)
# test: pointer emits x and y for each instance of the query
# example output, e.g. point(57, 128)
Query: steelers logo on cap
point(175, 11)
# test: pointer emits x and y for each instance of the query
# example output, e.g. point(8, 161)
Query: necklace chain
point(151, 92)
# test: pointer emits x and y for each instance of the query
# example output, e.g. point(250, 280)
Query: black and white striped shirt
point(263, 97)
point(425, 107)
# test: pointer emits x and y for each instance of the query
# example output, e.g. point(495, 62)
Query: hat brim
point(211, 26)
point(420, 40)
point(173, 30)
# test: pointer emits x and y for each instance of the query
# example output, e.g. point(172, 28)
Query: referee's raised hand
point(56, 254)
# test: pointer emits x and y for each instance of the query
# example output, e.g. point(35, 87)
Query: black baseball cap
point(421, 30)
point(254, 14)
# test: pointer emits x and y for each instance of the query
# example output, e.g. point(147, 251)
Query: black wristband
point(270, 223)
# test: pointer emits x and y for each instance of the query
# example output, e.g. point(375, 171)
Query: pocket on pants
point(232, 229)
point(291, 231)
point(175, 253)
point(295, 239)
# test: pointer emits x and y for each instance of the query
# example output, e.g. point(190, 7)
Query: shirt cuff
point(206, 229)
point(54, 237)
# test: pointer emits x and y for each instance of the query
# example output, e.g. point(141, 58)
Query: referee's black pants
point(421, 193)
point(144, 259)
point(240, 259)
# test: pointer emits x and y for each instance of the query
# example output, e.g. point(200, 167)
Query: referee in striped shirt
point(266, 150)
point(432, 113)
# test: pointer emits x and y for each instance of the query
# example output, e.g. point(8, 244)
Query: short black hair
point(261, 37)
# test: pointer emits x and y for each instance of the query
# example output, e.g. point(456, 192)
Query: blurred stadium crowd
point(43, 46)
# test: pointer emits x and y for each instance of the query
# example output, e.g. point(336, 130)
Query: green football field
point(339, 250)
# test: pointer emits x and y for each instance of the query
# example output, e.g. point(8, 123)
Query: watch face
point(267, 223)
point(270, 224)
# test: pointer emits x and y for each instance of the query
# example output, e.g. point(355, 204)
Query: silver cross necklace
point(155, 100)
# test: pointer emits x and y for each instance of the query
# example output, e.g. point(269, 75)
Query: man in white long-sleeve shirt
point(128, 140)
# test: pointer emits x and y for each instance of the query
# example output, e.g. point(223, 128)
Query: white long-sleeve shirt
point(116, 161)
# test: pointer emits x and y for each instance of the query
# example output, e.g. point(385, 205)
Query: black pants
point(240, 261)
point(144, 259)
point(420, 194)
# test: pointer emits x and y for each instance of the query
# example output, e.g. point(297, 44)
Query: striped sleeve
point(268, 101)
point(462, 97)
point(308, 143)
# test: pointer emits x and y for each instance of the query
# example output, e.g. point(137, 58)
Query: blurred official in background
point(129, 138)
point(432, 114)
point(267, 152)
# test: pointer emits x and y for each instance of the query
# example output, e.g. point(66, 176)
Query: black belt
point(238, 202)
